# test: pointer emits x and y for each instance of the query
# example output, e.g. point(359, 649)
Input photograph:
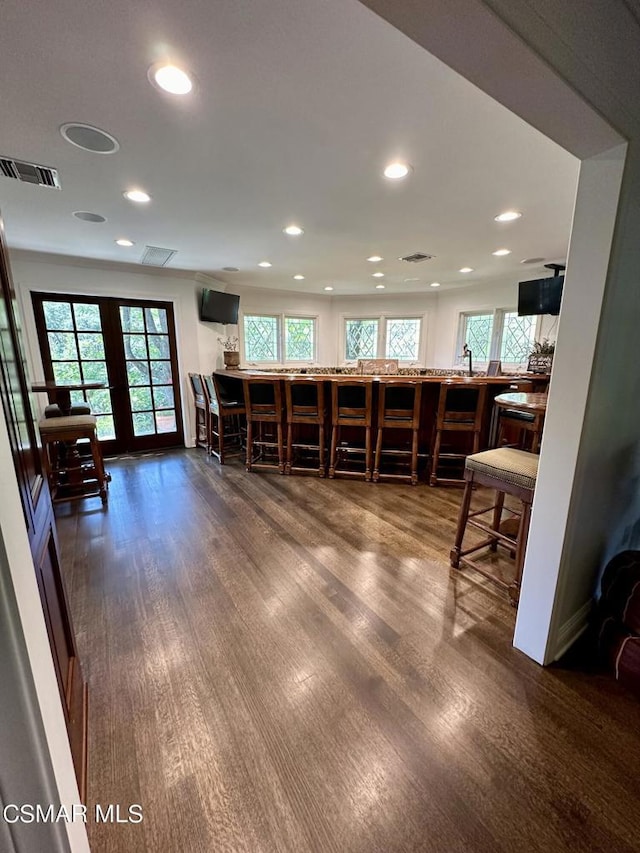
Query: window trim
point(280, 318)
point(382, 334)
point(497, 333)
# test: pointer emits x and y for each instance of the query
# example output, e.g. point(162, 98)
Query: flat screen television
point(540, 296)
point(219, 307)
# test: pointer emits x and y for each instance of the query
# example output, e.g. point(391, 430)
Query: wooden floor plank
point(288, 664)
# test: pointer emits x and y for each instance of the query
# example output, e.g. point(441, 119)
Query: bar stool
point(72, 476)
point(461, 408)
point(398, 409)
point(225, 402)
point(525, 427)
point(509, 472)
point(263, 404)
point(202, 411)
point(351, 406)
point(305, 405)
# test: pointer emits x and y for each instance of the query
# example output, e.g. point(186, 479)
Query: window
point(497, 335)
point(361, 338)
point(403, 338)
point(382, 337)
point(279, 337)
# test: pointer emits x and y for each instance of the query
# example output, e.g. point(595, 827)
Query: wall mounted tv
point(540, 296)
point(219, 307)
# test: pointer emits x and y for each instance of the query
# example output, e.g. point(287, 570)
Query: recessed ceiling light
point(466, 269)
point(139, 196)
point(396, 171)
point(171, 79)
point(379, 286)
point(435, 284)
point(89, 138)
point(500, 252)
point(378, 275)
point(231, 269)
point(375, 259)
point(507, 216)
point(124, 242)
point(532, 260)
point(264, 264)
point(86, 216)
point(293, 230)
point(299, 277)
point(328, 288)
point(411, 279)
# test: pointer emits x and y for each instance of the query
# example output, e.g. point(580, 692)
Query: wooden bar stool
point(509, 472)
point(225, 402)
point(263, 404)
point(399, 403)
point(461, 409)
point(305, 405)
point(351, 406)
point(71, 475)
point(202, 410)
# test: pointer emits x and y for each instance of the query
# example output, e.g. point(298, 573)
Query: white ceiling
point(299, 104)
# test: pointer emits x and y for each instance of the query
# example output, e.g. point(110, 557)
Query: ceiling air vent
point(417, 258)
point(154, 256)
point(30, 173)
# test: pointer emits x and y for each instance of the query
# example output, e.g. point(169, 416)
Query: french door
point(130, 345)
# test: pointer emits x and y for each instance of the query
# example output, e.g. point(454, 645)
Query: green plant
point(544, 347)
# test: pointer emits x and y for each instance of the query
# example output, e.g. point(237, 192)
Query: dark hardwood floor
point(286, 664)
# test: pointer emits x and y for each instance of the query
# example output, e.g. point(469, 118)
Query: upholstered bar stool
point(263, 404)
point(73, 476)
point(306, 410)
point(225, 401)
point(461, 409)
point(351, 406)
point(510, 472)
point(399, 403)
point(202, 410)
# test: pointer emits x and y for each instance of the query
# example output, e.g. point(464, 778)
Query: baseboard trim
point(573, 629)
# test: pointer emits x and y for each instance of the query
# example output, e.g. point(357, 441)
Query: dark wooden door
point(130, 345)
point(39, 519)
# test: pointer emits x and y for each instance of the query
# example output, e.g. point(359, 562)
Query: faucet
point(466, 353)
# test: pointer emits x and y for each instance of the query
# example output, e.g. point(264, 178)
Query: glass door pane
point(77, 353)
point(149, 370)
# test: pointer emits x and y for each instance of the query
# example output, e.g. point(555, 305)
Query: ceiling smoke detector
point(29, 173)
point(156, 256)
point(417, 258)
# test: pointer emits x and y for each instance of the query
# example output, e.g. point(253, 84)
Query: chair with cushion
point(306, 414)
point(225, 402)
point(73, 475)
point(351, 424)
point(461, 409)
point(399, 403)
point(263, 404)
point(510, 472)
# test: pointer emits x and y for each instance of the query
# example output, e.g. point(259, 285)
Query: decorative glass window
point(299, 338)
point(278, 337)
point(518, 335)
point(403, 338)
point(477, 335)
point(261, 337)
point(361, 339)
point(497, 335)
